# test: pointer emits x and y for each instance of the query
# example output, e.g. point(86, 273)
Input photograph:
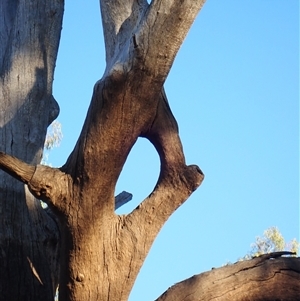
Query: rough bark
point(101, 253)
point(266, 278)
point(29, 35)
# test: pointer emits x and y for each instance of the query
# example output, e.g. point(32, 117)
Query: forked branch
point(147, 36)
point(45, 183)
point(119, 20)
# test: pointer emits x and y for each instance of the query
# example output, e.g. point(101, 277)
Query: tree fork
point(38, 184)
point(127, 103)
point(102, 252)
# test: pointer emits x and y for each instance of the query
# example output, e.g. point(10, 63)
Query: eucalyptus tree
point(29, 33)
point(101, 253)
point(96, 253)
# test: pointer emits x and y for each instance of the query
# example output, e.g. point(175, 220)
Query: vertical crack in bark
point(34, 271)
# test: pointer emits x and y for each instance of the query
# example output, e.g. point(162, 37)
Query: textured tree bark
point(265, 278)
point(101, 253)
point(29, 237)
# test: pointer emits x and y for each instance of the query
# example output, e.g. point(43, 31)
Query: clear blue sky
point(234, 89)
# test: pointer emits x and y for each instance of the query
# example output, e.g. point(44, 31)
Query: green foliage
point(271, 241)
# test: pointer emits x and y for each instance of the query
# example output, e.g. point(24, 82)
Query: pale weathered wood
point(29, 38)
point(120, 20)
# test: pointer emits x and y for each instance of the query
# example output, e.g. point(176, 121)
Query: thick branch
point(119, 18)
point(162, 32)
point(52, 186)
point(170, 192)
point(177, 180)
point(252, 280)
point(143, 37)
point(16, 168)
point(45, 182)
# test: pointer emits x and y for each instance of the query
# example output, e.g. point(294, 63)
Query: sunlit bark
point(101, 253)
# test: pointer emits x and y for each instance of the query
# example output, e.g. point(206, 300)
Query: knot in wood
point(79, 277)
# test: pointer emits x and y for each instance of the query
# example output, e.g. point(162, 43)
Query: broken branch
point(16, 168)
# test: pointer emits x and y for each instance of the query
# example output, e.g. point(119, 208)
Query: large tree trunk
point(101, 252)
point(29, 237)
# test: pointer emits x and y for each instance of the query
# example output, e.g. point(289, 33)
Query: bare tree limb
point(137, 34)
point(176, 182)
point(16, 168)
point(260, 278)
point(169, 193)
point(162, 32)
point(43, 179)
point(119, 18)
